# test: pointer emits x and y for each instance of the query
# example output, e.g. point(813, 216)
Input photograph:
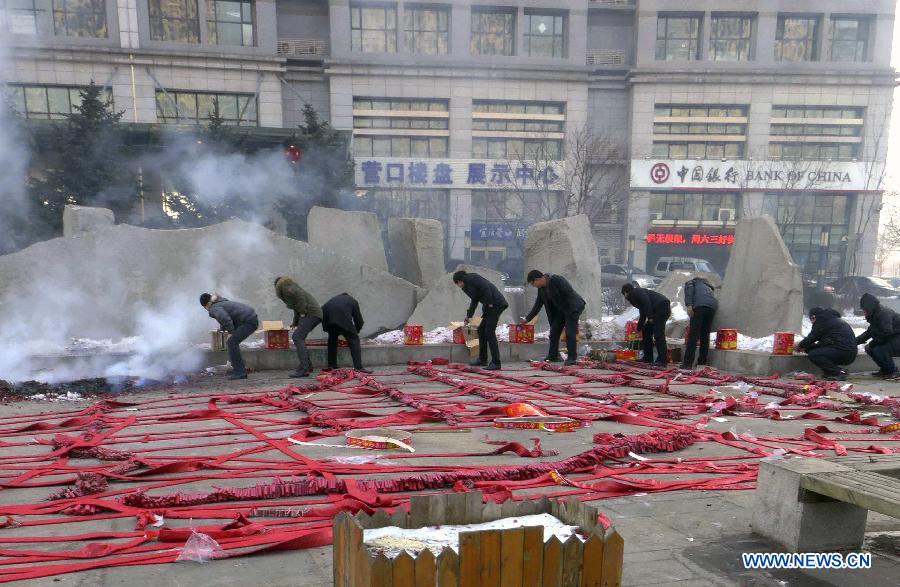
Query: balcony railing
point(302, 47)
point(606, 57)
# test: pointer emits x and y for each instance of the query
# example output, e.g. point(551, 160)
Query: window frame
point(749, 40)
point(157, 19)
point(32, 13)
point(529, 36)
point(814, 43)
point(478, 37)
point(695, 37)
point(411, 33)
point(213, 21)
point(358, 41)
point(864, 23)
point(173, 95)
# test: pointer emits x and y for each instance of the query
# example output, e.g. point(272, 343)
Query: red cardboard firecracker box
point(726, 339)
point(459, 337)
point(521, 333)
point(413, 334)
point(278, 339)
point(631, 331)
point(783, 344)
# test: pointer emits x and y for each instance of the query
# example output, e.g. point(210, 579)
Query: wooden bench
point(813, 505)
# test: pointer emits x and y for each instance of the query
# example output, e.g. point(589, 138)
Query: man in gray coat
point(239, 320)
point(701, 303)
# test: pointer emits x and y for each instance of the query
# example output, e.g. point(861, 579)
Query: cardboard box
point(219, 338)
point(521, 333)
point(467, 335)
point(276, 335)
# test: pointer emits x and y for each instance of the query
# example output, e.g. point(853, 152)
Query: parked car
point(613, 275)
point(894, 281)
point(812, 297)
point(848, 290)
point(665, 265)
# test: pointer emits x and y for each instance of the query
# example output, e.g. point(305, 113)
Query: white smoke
point(14, 158)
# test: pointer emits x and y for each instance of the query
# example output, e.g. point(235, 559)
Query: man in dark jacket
point(341, 317)
point(830, 343)
point(564, 306)
point(701, 303)
point(655, 310)
point(884, 330)
point(482, 291)
point(239, 320)
point(307, 315)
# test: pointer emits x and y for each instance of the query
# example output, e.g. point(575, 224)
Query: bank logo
point(659, 173)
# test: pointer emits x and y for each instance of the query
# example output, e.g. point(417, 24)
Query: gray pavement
point(674, 538)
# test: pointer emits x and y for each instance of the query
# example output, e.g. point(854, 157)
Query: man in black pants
point(830, 343)
point(655, 310)
point(701, 304)
point(482, 291)
point(564, 307)
point(884, 330)
point(341, 317)
point(239, 320)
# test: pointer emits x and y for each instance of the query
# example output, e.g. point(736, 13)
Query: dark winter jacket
point(341, 313)
point(884, 323)
point(559, 298)
point(481, 291)
point(647, 301)
point(228, 314)
point(829, 330)
point(699, 293)
point(297, 299)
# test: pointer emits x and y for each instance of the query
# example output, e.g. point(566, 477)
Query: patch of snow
point(392, 540)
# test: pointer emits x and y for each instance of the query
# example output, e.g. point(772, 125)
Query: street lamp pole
point(630, 258)
point(823, 257)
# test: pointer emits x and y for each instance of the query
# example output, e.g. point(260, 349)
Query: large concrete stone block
point(355, 235)
point(129, 280)
point(798, 520)
point(763, 288)
point(446, 303)
point(417, 249)
point(566, 247)
point(81, 220)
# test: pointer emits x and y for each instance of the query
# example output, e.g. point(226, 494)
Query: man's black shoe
point(236, 376)
point(493, 367)
point(552, 360)
point(570, 362)
point(365, 370)
point(477, 363)
point(299, 373)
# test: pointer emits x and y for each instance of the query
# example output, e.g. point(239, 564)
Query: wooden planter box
point(511, 557)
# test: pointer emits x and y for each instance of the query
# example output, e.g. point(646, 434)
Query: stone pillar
point(82, 220)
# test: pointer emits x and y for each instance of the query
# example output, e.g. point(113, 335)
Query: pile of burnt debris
point(84, 387)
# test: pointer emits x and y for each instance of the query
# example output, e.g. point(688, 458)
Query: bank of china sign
point(457, 173)
point(754, 175)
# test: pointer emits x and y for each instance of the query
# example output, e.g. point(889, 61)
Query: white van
point(666, 265)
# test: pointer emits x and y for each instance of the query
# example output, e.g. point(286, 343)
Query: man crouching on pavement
point(239, 320)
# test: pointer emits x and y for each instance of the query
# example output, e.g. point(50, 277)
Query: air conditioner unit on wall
point(727, 215)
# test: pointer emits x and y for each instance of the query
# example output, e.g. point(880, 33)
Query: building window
point(815, 133)
point(699, 131)
point(797, 38)
point(802, 219)
point(80, 18)
point(427, 30)
point(178, 107)
point(730, 38)
point(22, 16)
point(493, 32)
point(545, 35)
point(532, 131)
point(694, 207)
point(411, 203)
point(678, 38)
point(373, 29)
point(177, 21)
point(48, 102)
point(385, 127)
point(230, 22)
point(849, 39)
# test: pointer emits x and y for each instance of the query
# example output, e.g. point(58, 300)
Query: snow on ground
point(392, 540)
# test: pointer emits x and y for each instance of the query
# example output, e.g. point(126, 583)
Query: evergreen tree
point(86, 163)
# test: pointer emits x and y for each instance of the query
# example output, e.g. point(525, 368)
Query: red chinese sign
point(677, 238)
